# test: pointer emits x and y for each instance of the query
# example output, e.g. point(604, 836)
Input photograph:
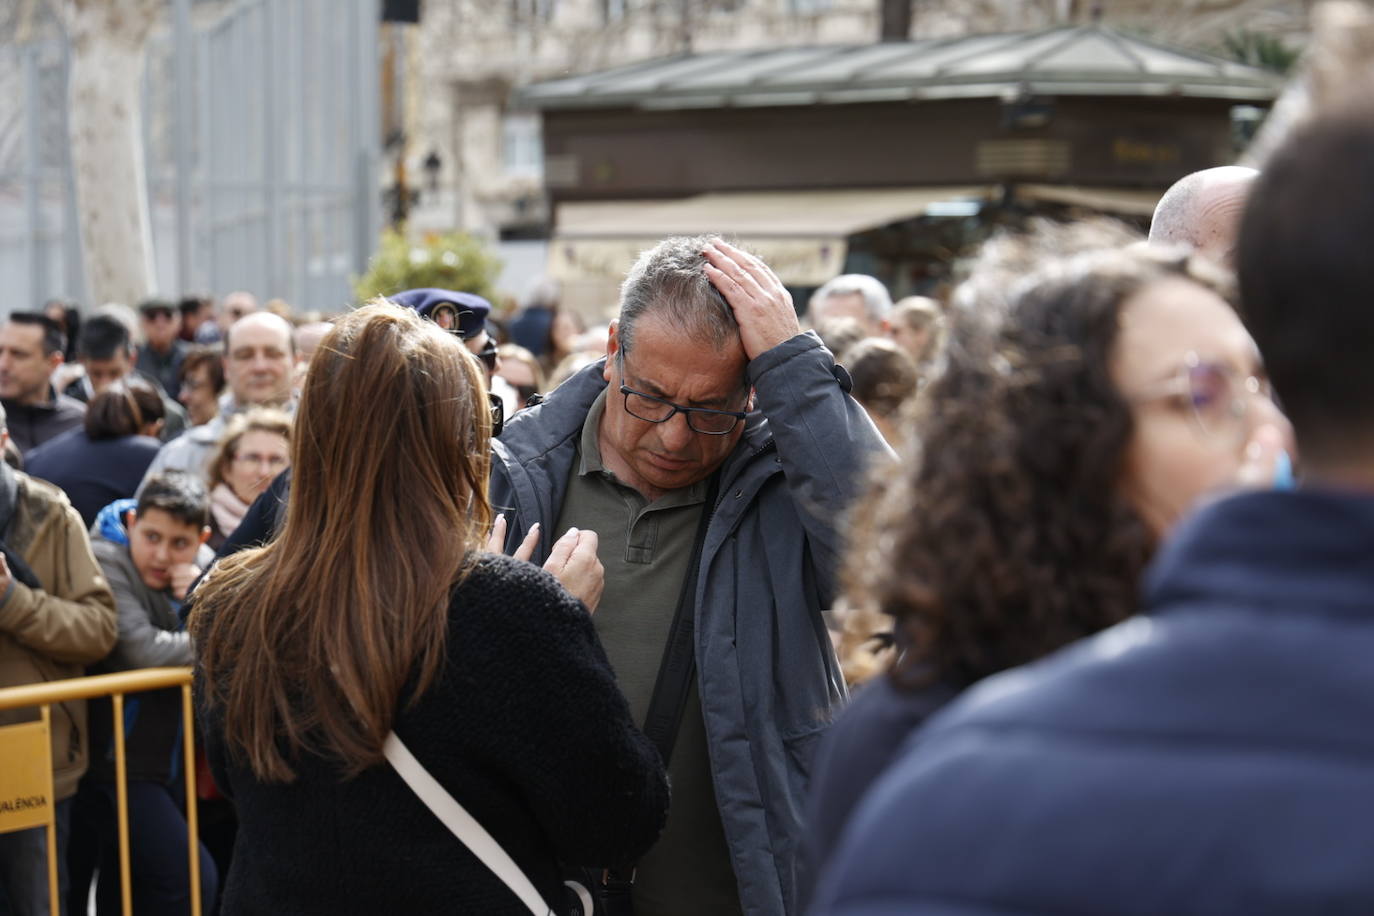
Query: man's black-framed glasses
point(703, 420)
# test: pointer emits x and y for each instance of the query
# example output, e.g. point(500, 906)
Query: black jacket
point(31, 425)
point(92, 474)
point(525, 727)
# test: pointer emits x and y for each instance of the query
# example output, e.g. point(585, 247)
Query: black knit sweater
point(525, 728)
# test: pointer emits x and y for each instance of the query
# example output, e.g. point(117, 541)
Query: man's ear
point(205, 534)
point(612, 347)
point(55, 359)
point(130, 517)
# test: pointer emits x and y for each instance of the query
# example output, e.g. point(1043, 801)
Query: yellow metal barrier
point(26, 791)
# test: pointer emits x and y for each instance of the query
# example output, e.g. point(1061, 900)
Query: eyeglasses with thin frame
point(1217, 395)
point(704, 420)
point(272, 462)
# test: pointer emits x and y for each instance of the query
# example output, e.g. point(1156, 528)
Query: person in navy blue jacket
point(1213, 755)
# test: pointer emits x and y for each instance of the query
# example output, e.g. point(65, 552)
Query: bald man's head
point(258, 353)
point(1203, 210)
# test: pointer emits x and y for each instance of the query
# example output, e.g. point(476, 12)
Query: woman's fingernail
point(534, 526)
point(570, 531)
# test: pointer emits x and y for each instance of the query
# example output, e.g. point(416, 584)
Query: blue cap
point(472, 309)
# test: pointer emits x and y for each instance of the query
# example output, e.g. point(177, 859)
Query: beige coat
point(53, 634)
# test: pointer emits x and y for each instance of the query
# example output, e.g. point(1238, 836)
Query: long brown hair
point(306, 644)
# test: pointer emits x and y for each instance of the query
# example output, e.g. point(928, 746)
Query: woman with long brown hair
point(374, 610)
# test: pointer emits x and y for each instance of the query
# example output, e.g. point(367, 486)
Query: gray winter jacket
point(769, 681)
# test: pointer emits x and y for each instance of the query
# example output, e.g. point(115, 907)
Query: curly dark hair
point(1008, 536)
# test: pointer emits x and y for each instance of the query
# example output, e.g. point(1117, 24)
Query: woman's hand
point(496, 541)
point(572, 561)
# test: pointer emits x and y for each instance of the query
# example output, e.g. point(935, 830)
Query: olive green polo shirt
point(645, 548)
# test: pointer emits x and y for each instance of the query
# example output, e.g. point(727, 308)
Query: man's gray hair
point(877, 300)
point(669, 282)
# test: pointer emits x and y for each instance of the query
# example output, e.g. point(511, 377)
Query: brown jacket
point(53, 634)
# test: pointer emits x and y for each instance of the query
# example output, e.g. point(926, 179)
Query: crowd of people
point(1050, 597)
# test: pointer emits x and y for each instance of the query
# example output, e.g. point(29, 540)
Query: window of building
point(614, 10)
point(523, 145)
point(809, 6)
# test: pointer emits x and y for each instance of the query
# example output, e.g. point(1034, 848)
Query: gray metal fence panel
point(261, 148)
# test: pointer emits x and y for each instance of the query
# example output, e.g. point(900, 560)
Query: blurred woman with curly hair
point(1078, 416)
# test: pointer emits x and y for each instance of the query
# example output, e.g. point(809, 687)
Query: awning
point(1125, 201)
point(802, 235)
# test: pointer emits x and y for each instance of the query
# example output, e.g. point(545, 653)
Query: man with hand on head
point(714, 451)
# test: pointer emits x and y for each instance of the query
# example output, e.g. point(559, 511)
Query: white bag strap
point(463, 825)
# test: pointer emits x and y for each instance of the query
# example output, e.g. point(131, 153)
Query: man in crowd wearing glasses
point(713, 429)
point(258, 359)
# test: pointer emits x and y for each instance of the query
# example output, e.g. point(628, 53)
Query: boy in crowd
point(151, 550)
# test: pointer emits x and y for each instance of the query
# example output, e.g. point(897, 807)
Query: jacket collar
point(1307, 550)
point(51, 405)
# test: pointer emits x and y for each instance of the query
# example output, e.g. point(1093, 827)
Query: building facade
point(475, 152)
